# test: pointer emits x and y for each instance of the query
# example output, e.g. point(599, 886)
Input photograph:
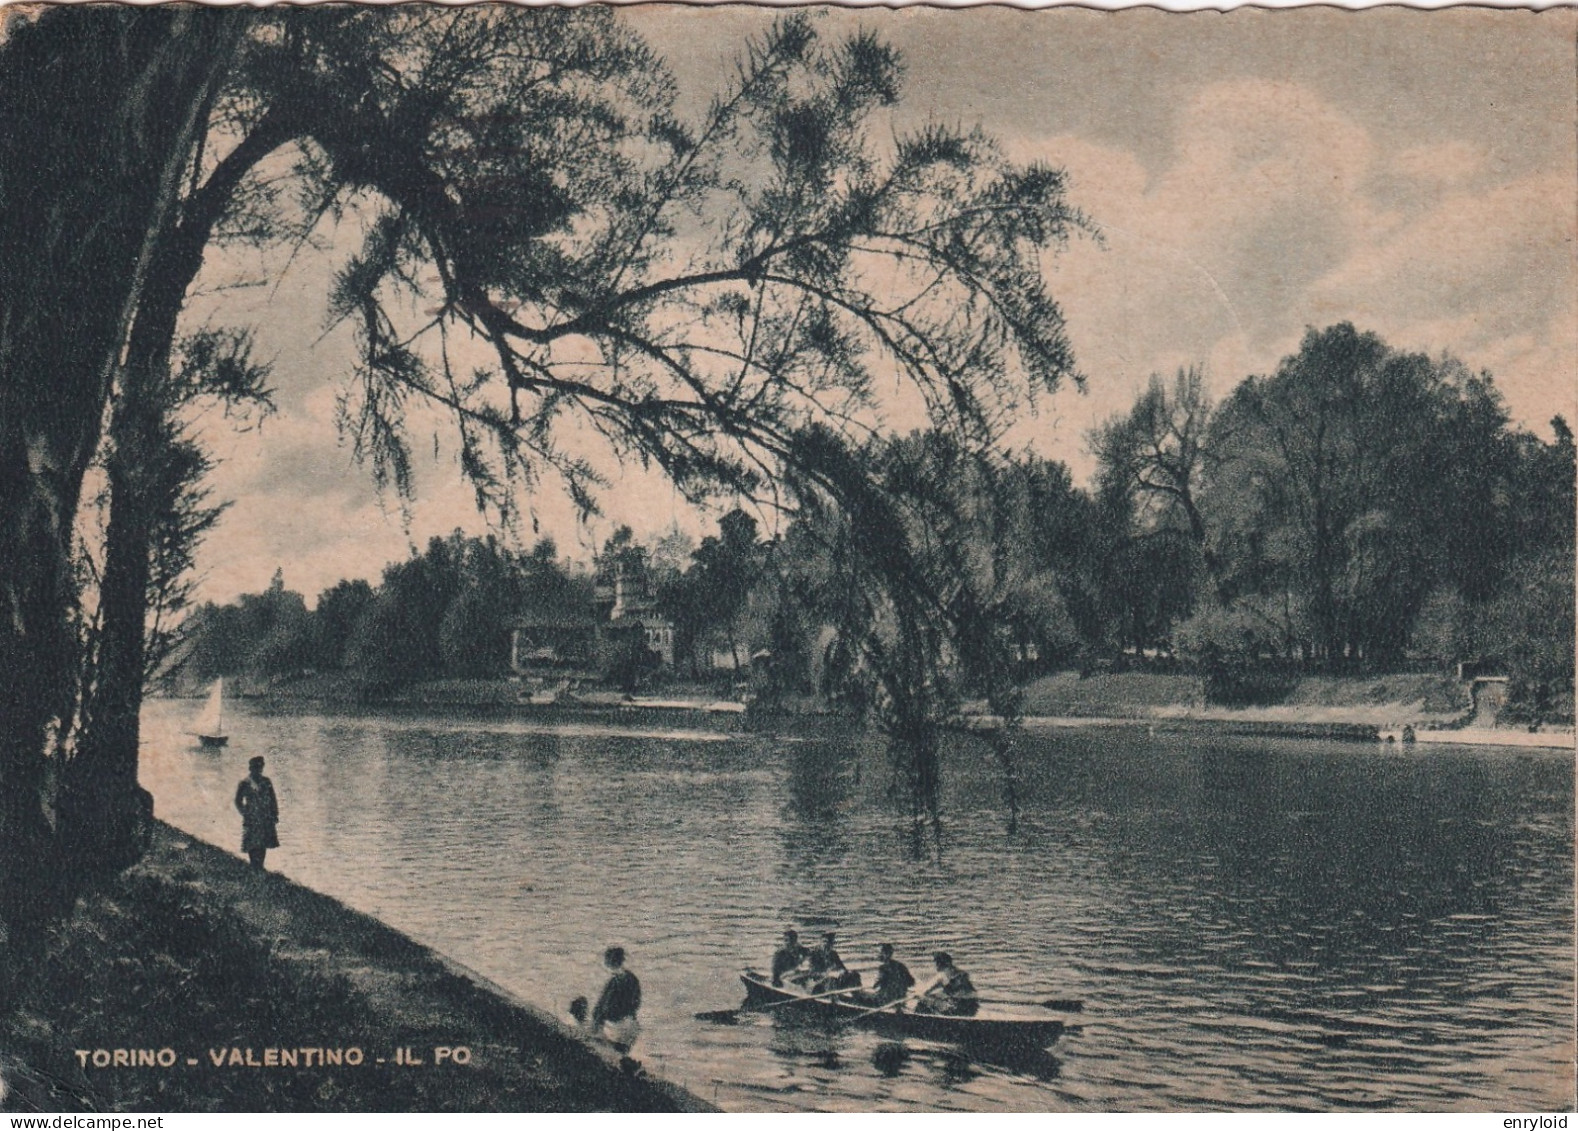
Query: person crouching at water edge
point(259, 810)
point(614, 1016)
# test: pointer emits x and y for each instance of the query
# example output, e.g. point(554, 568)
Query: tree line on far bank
point(1359, 510)
point(737, 601)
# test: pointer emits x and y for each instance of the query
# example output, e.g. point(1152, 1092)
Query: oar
point(729, 1016)
point(1063, 1005)
point(906, 999)
point(1058, 1004)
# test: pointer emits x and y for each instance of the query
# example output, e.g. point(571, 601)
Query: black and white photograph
point(786, 559)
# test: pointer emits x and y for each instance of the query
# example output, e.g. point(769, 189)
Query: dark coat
point(621, 997)
point(787, 959)
point(894, 981)
point(259, 813)
point(822, 959)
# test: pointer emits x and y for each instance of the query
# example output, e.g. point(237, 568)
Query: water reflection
point(807, 1040)
point(817, 793)
point(890, 1057)
point(819, 782)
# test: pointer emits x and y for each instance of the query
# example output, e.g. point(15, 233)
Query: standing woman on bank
point(259, 810)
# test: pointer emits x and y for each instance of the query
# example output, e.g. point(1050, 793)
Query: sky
point(1250, 174)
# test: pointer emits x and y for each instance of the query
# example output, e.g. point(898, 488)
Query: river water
point(1251, 924)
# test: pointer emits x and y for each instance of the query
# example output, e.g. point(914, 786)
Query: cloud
point(1201, 260)
point(1487, 275)
point(1453, 163)
point(1278, 211)
point(301, 502)
point(1503, 254)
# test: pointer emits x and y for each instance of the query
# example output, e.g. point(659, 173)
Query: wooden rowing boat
point(1024, 1034)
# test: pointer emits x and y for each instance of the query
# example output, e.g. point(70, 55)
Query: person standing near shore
point(259, 810)
point(614, 1015)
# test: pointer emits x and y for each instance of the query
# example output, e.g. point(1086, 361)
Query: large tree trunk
point(101, 797)
point(102, 809)
point(101, 109)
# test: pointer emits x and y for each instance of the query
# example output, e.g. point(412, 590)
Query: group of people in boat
point(819, 970)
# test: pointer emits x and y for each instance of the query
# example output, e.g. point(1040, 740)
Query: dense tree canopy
point(1357, 477)
point(529, 236)
point(697, 292)
point(444, 612)
point(1360, 507)
point(708, 601)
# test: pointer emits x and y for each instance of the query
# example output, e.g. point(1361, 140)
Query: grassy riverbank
point(1382, 700)
point(191, 956)
point(1361, 699)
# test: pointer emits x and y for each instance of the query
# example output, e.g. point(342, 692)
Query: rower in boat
point(789, 958)
point(950, 993)
point(894, 981)
point(826, 969)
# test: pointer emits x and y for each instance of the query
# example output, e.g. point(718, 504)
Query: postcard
point(738, 558)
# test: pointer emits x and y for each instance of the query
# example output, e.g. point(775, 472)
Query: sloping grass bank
point(1382, 700)
point(190, 958)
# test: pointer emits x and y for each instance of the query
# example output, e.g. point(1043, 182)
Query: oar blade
point(720, 1016)
point(1064, 1005)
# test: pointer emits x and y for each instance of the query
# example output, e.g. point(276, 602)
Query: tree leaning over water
point(931, 573)
point(259, 114)
point(155, 513)
point(541, 240)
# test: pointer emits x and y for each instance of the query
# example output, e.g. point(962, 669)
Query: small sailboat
point(210, 728)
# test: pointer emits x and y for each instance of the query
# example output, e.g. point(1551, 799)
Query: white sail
point(212, 720)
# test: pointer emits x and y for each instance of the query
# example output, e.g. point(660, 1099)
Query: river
point(1251, 924)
